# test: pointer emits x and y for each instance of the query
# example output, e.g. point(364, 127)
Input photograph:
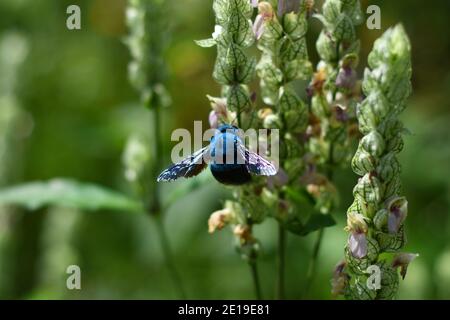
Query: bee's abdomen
point(231, 174)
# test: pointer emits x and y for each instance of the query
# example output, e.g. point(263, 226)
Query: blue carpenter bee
point(230, 162)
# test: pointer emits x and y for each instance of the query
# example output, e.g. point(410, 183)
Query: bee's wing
point(255, 163)
point(189, 167)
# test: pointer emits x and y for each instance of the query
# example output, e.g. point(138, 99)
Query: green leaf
point(67, 193)
point(344, 30)
point(206, 43)
point(331, 10)
point(220, 8)
point(295, 26)
point(222, 73)
point(326, 47)
point(315, 222)
point(240, 29)
point(318, 221)
point(246, 72)
point(288, 99)
point(352, 8)
point(238, 98)
point(299, 196)
point(235, 56)
point(292, 49)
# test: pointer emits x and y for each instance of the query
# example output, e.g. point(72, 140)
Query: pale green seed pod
point(361, 206)
point(369, 188)
point(373, 143)
point(395, 144)
point(393, 187)
point(372, 111)
point(362, 162)
point(380, 220)
point(388, 168)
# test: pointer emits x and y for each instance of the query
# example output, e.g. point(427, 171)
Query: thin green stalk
point(155, 209)
point(315, 256)
point(313, 264)
point(168, 257)
point(281, 262)
point(255, 276)
point(158, 154)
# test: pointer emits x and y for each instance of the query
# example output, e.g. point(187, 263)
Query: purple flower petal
point(403, 260)
point(398, 210)
point(254, 3)
point(258, 26)
point(357, 243)
point(346, 78)
point(213, 120)
point(288, 6)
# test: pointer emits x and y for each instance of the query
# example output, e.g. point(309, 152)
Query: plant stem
point(168, 257)
point(254, 270)
point(281, 262)
point(313, 264)
point(155, 207)
point(315, 256)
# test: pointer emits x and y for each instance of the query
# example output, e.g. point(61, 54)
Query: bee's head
point(225, 127)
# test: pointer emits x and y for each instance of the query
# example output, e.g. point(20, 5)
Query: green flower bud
point(372, 111)
point(373, 143)
point(380, 220)
point(393, 187)
point(362, 162)
point(369, 188)
point(388, 168)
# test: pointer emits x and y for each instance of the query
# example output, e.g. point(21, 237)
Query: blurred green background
point(67, 109)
